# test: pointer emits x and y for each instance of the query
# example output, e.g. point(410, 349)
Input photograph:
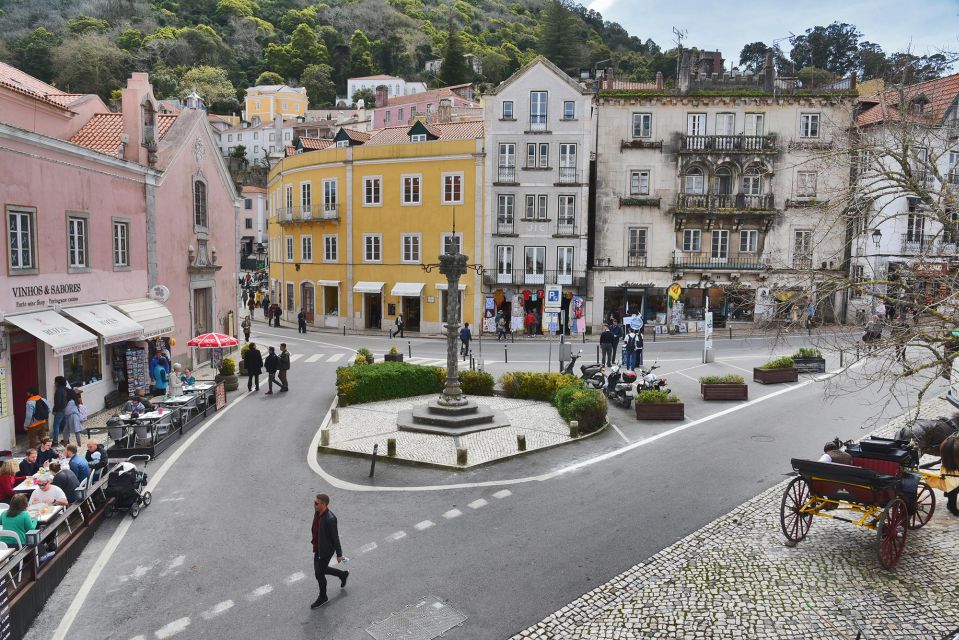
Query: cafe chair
point(3, 507)
point(10, 535)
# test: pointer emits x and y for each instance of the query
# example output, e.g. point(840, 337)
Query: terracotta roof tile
point(250, 189)
point(380, 76)
point(469, 130)
point(102, 132)
point(939, 95)
point(357, 136)
point(426, 96)
point(315, 144)
point(21, 82)
point(292, 151)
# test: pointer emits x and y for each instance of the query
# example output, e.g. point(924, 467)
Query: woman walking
point(73, 423)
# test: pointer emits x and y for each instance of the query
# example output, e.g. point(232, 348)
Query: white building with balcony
point(539, 138)
point(262, 144)
point(724, 195)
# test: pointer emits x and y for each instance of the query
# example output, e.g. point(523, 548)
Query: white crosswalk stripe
point(295, 357)
point(315, 357)
point(335, 357)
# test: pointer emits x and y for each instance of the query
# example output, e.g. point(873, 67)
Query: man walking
point(253, 361)
point(607, 341)
point(271, 365)
point(246, 325)
point(465, 337)
point(284, 367)
point(617, 330)
point(398, 326)
point(301, 322)
point(326, 542)
point(59, 406)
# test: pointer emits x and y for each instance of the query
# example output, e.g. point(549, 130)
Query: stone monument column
point(453, 266)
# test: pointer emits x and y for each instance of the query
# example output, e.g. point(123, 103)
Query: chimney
point(659, 80)
point(444, 113)
point(769, 72)
point(382, 96)
point(138, 107)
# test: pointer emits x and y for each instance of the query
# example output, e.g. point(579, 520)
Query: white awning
point(107, 321)
point(407, 289)
point(155, 318)
point(63, 336)
point(368, 287)
point(328, 283)
point(443, 287)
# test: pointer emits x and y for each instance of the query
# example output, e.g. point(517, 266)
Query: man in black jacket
point(607, 342)
point(271, 365)
point(59, 406)
point(93, 459)
point(253, 361)
point(326, 542)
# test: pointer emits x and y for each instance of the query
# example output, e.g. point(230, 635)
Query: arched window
point(753, 181)
point(693, 181)
point(723, 182)
point(199, 203)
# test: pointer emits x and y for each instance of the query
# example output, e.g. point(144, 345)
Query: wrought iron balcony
point(728, 144)
point(566, 227)
point(331, 211)
point(708, 203)
point(506, 174)
point(637, 260)
point(929, 245)
point(307, 213)
point(567, 175)
point(729, 262)
point(504, 226)
point(803, 262)
point(576, 279)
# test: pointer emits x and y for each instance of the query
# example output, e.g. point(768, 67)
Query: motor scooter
point(649, 381)
point(618, 386)
point(592, 375)
point(568, 369)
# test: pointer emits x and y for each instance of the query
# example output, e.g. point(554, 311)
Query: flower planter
point(810, 365)
point(393, 357)
point(724, 391)
point(660, 411)
point(231, 383)
point(775, 376)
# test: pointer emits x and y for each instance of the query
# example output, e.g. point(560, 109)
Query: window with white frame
point(121, 244)
point(806, 184)
point(329, 195)
point(410, 247)
point(642, 125)
point(77, 252)
point(567, 211)
point(535, 262)
point(694, 181)
point(748, 241)
point(199, 203)
point(418, 137)
point(725, 124)
point(696, 124)
point(537, 207)
point(306, 248)
point(753, 181)
point(342, 144)
point(564, 265)
point(569, 110)
point(399, 115)
point(452, 188)
point(809, 125)
point(508, 110)
point(538, 105)
point(289, 249)
point(505, 205)
point(289, 197)
point(858, 278)
point(306, 197)
point(411, 190)
point(636, 242)
point(692, 239)
point(372, 191)
point(802, 249)
point(755, 124)
point(386, 117)
point(329, 248)
point(504, 262)
point(372, 248)
point(452, 243)
point(720, 244)
point(537, 155)
point(507, 160)
point(639, 183)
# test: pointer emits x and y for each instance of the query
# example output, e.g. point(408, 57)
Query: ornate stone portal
point(452, 413)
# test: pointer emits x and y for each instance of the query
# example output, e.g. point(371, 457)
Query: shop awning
point(63, 336)
point(442, 286)
point(407, 289)
point(155, 318)
point(107, 321)
point(368, 287)
point(328, 283)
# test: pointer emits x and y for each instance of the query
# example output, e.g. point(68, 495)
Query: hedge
point(656, 396)
point(779, 363)
point(805, 352)
point(474, 383)
point(535, 386)
point(586, 406)
point(385, 381)
point(729, 378)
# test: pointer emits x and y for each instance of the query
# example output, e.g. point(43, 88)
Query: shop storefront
point(408, 300)
point(620, 302)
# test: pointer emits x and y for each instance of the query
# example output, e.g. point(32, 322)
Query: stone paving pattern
point(735, 578)
point(362, 426)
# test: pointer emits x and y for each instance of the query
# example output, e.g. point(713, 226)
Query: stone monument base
point(437, 419)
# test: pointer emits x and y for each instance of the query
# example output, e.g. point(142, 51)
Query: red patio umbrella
point(213, 341)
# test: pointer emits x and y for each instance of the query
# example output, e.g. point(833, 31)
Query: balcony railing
point(567, 175)
point(331, 211)
point(952, 177)
point(637, 260)
point(504, 225)
point(307, 213)
point(506, 174)
point(520, 277)
point(729, 262)
point(724, 202)
point(566, 227)
point(941, 245)
point(728, 144)
point(537, 123)
point(802, 262)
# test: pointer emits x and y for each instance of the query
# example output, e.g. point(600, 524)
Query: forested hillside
point(220, 47)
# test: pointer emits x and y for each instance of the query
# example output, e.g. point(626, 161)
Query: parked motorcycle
point(618, 386)
point(649, 381)
point(592, 375)
point(568, 369)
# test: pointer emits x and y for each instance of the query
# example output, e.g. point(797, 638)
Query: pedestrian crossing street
point(344, 359)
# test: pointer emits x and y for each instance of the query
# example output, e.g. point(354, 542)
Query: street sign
point(554, 296)
point(709, 330)
point(675, 291)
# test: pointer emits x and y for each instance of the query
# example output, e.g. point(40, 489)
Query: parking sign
point(554, 293)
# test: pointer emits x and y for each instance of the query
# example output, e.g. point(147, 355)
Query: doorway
point(202, 319)
point(307, 301)
point(373, 310)
point(411, 313)
point(26, 374)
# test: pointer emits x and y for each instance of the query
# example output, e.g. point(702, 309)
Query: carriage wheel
point(795, 524)
point(135, 509)
point(110, 510)
point(925, 506)
point(891, 532)
point(147, 499)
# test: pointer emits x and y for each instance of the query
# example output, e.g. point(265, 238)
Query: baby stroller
point(125, 485)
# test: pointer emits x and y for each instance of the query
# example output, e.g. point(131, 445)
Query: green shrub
point(807, 353)
point(394, 351)
point(385, 381)
point(656, 396)
point(246, 347)
point(729, 378)
point(228, 367)
point(535, 386)
point(475, 383)
point(586, 406)
point(779, 363)
point(363, 356)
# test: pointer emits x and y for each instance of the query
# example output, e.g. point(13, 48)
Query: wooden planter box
point(724, 391)
point(389, 357)
point(810, 365)
point(660, 411)
point(775, 376)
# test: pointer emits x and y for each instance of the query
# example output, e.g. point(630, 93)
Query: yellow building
point(353, 225)
point(266, 101)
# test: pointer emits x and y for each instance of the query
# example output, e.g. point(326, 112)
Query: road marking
point(171, 499)
point(259, 592)
point(368, 547)
point(621, 434)
point(176, 562)
point(139, 637)
point(173, 628)
point(325, 344)
point(398, 535)
point(110, 548)
point(423, 526)
point(452, 513)
point(477, 504)
point(296, 356)
point(688, 377)
point(217, 609)
point(502, 493)
point(313, 358)
point(334, 357)
point(296, 577)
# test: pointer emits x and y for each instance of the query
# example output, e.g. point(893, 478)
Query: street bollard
point(461, 456)
point(574, 429)
point(324, 437)
point(512, 336)
point(521, 442)
point(505, 354)
point(840, 358)
point(373, 459)
point(409, 347)
point(344, 331)
point(391, 447)
point(584, 337)
point(335, 415)
point(654, 335)
point(730, 333)
point(597, 353)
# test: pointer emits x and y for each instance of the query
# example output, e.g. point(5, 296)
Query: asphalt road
point(224, 551)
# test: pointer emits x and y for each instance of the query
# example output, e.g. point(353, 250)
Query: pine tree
point(454, 69)
point(559, 41)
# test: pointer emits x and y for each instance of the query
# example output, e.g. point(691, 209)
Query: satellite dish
point(160, 293)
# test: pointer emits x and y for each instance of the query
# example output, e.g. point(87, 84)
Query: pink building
point(99, 209)
point(400, 110)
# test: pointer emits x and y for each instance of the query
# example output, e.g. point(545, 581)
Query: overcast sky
point(893, 24)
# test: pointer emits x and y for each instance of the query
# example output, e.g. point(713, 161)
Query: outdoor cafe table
point(6, 553)
point(198, 387)
point(150, 416)
point(183, 405)
point(44, 515)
